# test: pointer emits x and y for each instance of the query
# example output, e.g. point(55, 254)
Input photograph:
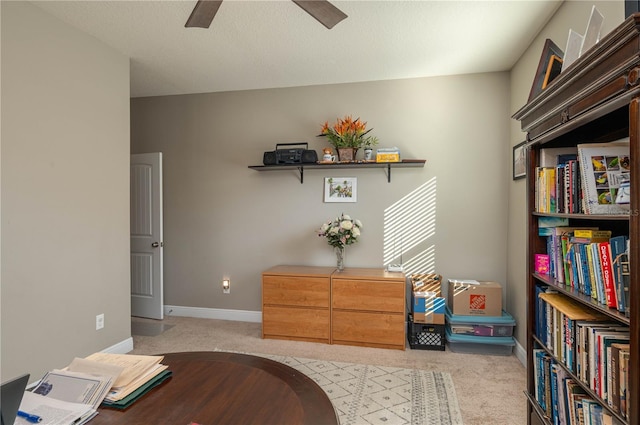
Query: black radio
point(290, 154)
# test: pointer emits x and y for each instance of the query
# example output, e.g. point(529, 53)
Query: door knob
point(155, 245)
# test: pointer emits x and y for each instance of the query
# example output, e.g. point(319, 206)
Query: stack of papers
point(83, 381)
point(139, 375)
point(71, 396)
point(53, 411)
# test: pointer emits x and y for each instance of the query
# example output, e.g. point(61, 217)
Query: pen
point(34, 419)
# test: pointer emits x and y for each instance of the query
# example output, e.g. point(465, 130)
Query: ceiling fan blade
point(326, 13)
point(203, 13)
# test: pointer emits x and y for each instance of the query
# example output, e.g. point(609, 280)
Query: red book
point(604, 249)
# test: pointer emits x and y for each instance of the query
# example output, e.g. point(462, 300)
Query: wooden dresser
point(368, 308)
point(354, 307)
point(296, 303)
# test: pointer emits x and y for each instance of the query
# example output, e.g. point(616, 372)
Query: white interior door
point(146, 236)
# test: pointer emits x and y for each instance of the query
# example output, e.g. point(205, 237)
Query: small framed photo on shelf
point(519, 161)
point(340, 189)
point(549, 67)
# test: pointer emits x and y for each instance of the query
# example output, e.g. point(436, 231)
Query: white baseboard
point(521, 354)
point(213, 313)
point(120, 348)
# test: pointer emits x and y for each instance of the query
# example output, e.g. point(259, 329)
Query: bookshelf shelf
point(594, 217)
point(596, 100)
point(581, 298)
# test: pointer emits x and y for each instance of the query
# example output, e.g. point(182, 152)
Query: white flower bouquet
point(341, 231)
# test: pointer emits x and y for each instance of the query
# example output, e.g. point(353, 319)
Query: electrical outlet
point(99, 321)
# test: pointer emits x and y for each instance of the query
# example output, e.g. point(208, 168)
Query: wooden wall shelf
point(405, 163)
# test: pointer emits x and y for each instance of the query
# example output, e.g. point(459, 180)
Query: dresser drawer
point(302, 291)
point(369, 295)
point(295, 323)
point(368, 329)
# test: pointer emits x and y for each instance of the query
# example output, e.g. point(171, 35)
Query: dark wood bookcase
point(595, 100)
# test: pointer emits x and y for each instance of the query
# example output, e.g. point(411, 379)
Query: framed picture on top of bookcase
point(519, 161)
point(549, 67)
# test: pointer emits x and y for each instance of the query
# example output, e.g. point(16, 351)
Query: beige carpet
point(489, 388)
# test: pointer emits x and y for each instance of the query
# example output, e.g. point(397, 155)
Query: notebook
point(11, 393)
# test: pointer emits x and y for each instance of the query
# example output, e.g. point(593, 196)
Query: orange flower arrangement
point(348, 133)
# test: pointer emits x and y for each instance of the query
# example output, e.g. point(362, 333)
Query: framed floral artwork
point(340, 189)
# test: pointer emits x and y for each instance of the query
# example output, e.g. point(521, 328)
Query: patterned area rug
point(376, 395)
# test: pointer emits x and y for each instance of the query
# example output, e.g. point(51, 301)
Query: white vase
point(368, 154)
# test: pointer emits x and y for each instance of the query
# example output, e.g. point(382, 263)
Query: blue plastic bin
point(496, 345)
point(482, 326)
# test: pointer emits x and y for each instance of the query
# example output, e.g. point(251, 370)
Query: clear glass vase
point(339, 257)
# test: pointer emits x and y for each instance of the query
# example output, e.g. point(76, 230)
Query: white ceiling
point(274, 43)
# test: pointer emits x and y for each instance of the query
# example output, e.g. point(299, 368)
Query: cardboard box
point(427, 307)
point(429, 282)
point(474, 298)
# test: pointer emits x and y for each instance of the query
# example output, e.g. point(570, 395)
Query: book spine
point(618, 245)
point(607, 274)
point(554, 393)
point(547, 384)
point(571, 179)
point(614, 400)
point(626, 276)
point(567, 188)
point(610, 376)
point(566, 263)
point(590, 281)
point(624, 383)
point(584, 266)
point(597, 281)
point(570, 339)
point(560, 188)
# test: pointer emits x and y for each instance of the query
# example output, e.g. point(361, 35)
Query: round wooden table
point(217, 388)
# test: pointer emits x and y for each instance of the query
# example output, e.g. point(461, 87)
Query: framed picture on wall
point(340, 189)
point(519, 161)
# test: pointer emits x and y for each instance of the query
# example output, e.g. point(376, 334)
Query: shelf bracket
point(389, 173)
point(301, 170)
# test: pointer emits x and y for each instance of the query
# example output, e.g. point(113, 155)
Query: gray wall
point(65, 193)
point(575, 15)
point(223, 219)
